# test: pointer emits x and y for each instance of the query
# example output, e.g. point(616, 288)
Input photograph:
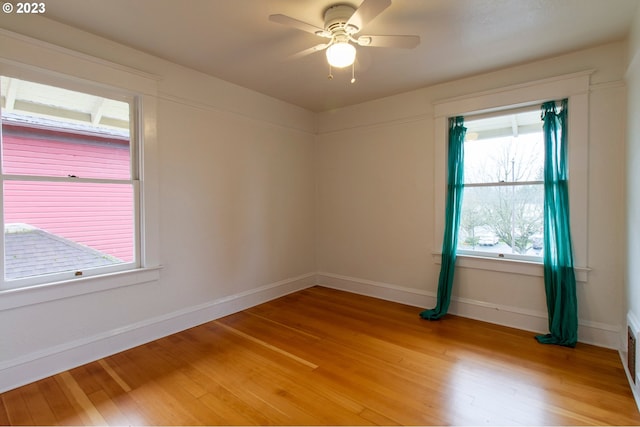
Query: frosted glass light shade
point(341, 55)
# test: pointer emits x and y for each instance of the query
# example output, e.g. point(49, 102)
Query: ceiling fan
point(342, 23)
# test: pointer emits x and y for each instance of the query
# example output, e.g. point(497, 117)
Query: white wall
point(632, 290)
point(376, 203)
point(236, 217)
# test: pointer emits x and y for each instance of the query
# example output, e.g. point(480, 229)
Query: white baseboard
point(385, 291)
point(595, 333)
point(35, 366)
point(634, 324)
point(635, 389)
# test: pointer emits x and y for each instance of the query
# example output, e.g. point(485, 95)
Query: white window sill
point(503, 265)
point(20, 297)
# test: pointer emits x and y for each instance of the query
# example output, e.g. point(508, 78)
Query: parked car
point(488, 240)
point(537, 241)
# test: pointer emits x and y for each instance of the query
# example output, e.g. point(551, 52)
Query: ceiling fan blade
point(368, 10)
point(309, 51)
point(300, 25)
point(406, 42)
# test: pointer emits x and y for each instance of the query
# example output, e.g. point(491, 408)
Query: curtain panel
point(455, 189)
point(559, 274)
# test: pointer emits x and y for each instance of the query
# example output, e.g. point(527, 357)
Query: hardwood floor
point(327, 357)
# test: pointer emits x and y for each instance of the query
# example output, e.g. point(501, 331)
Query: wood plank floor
point(325, 357)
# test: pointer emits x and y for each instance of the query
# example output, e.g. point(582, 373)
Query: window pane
point(65, 226)
point(504, 149)
point(503, 219)
point(57, 132)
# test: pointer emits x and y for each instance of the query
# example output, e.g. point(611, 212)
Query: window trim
point(507, 265)
point(36, 60)
point(573, 86)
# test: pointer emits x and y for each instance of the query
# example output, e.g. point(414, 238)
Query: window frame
point(30, 59)
point(573, 86)
point(494, 184)
point(134, 181)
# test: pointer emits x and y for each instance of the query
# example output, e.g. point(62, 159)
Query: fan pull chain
point(353, 73)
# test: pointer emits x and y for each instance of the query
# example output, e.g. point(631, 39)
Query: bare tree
point(513, 212)
point(472, 218)
point(515, 215)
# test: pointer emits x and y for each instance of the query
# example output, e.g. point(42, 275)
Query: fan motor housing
point(336, 17)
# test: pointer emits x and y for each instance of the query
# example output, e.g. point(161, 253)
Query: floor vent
point(631, 353)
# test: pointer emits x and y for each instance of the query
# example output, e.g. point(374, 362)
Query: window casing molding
point(575, 87)
point(35, 60)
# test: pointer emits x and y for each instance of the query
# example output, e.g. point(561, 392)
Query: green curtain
point(559, 275)
point(455, 188)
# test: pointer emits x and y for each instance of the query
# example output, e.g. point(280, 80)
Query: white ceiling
point(234, 40)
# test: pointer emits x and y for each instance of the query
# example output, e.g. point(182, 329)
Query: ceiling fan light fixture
point(341, 54)
point(342, 24)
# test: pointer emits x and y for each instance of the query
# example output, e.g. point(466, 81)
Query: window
point(70, 188)
point(502, 211)
point(503, 101)
point(136, 93)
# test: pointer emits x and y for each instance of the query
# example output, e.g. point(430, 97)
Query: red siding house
point(97, 215)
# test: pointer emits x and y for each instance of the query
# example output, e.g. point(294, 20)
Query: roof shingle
point(30, 251)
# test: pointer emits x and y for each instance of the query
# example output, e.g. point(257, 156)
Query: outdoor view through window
point(502, 212)
point(68, 200)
